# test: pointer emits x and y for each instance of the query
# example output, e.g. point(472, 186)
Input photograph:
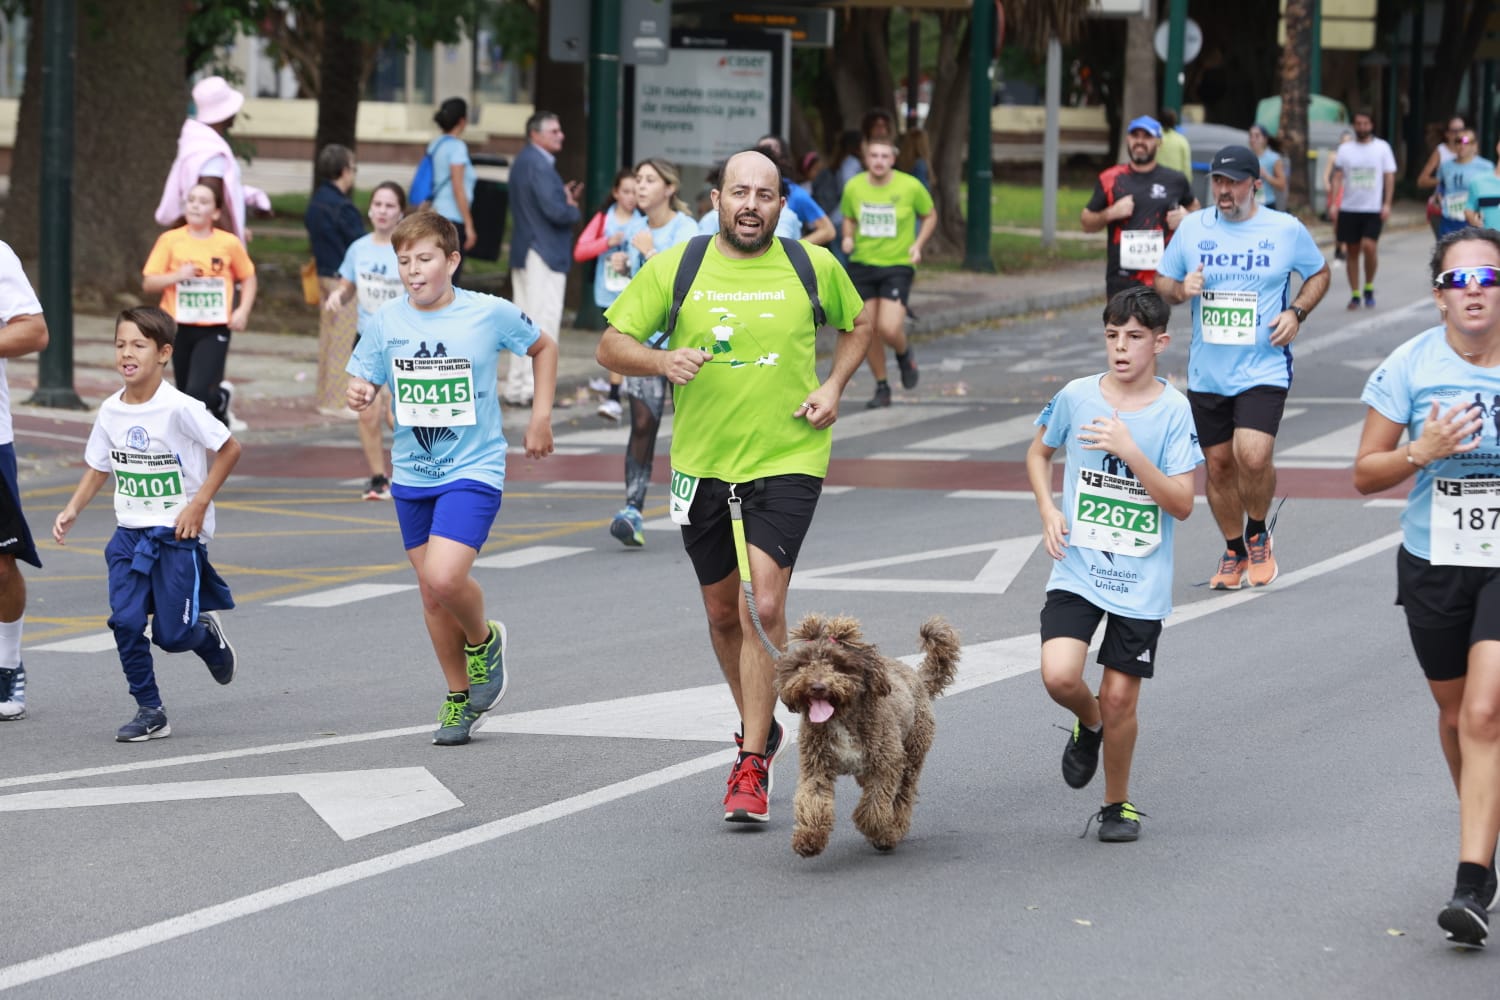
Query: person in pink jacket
point(204, 157)
point(600, 241)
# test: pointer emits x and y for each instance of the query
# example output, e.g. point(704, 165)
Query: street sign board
point(568, 31)
point(717, 94)
point(645, 32)
point(810, 27)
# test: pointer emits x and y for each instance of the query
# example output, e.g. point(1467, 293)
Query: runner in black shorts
point(1446, 577)
point(883, 240)
point(762, 430)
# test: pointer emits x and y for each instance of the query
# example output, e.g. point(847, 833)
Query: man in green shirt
point(879, 207)
point(752, 427)
point(1173, 150)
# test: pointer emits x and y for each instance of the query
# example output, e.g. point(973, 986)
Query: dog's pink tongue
point(820, 711)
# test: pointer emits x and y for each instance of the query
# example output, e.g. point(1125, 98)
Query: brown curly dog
point(862, 714)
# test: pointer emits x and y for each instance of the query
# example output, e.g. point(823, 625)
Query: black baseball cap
point(1235, 163)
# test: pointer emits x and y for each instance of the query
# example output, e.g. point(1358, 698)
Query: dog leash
point(742, 556)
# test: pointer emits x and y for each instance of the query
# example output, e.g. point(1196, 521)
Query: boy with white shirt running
point(155, 440)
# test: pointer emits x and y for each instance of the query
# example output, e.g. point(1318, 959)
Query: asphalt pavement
point(299, 836)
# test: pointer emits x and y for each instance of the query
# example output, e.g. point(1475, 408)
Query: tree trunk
point(861, 61)
point(1140, 97)
point(1294, 97)
point(1457, 45)
point(130, 100)
point(341, 75)
point(948, 129)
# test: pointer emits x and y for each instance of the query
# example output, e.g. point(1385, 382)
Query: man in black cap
point(1235, 263)
point(1142, 203)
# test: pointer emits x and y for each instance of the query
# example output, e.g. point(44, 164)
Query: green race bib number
point(1455, 204)
point(1114, 514)
point(434, 392)
point(1141, 249)
point(684, 488)
point(877, 221)
point(1228, 318)
point(1465, 528)
point(203, 301)
point(148, 487)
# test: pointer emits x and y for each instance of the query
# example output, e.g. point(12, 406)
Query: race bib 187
point(1465, 528)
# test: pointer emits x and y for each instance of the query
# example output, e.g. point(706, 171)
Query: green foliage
point(514, 22)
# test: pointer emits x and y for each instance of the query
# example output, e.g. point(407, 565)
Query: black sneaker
point(1081, 755)
point(1465, 919)
point(882, 398)
point(148, 724)
point(1119, 823)
point(773, 747)
point(1490, 894)
point(379, 488)
point(908, 364)
point(220, 660)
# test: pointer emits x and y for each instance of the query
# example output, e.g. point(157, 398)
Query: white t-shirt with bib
point(158, 451)
point(1364, 165)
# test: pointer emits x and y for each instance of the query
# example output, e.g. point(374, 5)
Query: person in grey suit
point(544, 211)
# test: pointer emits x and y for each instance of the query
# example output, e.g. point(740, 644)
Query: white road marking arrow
point(353, 803)
point(1007, 557)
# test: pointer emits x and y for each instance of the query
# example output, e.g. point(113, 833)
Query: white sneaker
point(610, 410)
point(599, 385)
point(235, 423)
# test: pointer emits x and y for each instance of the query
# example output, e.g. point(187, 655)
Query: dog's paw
point(809, 843)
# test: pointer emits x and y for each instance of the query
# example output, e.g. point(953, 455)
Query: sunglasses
point(1459, 277)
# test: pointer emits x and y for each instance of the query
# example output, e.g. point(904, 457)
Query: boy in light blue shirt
point(1128, 476)
point(448, 453)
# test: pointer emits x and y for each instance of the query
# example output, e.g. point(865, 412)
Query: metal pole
point(977, 253)
point(1416, 140)
point(55, 363)
point(1051, 147)
point(1172, 81)
point(604, 129)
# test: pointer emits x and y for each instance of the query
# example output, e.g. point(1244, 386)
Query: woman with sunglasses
point(1447, 580)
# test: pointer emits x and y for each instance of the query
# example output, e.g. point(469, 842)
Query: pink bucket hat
point(215, 100)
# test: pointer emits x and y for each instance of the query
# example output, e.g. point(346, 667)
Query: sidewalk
point(275, 375)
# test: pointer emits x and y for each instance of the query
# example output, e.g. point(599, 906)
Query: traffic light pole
point(604, 129)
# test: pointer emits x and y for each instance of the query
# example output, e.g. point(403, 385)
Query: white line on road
point(97, 643)
point(344, 595)
point(529, 556)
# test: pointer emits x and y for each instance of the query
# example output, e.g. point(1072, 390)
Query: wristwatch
point(1300, 313)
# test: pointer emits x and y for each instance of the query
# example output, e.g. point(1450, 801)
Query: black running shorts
point(1448, 609)
point(778, 510)
point(1258, 408)
point(1129, 644)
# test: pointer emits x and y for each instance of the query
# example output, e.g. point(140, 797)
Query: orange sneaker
point(1231, 572)
point(1263, 568)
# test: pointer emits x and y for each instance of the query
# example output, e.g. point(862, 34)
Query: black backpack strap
point(802, 264)
point(687, 270)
